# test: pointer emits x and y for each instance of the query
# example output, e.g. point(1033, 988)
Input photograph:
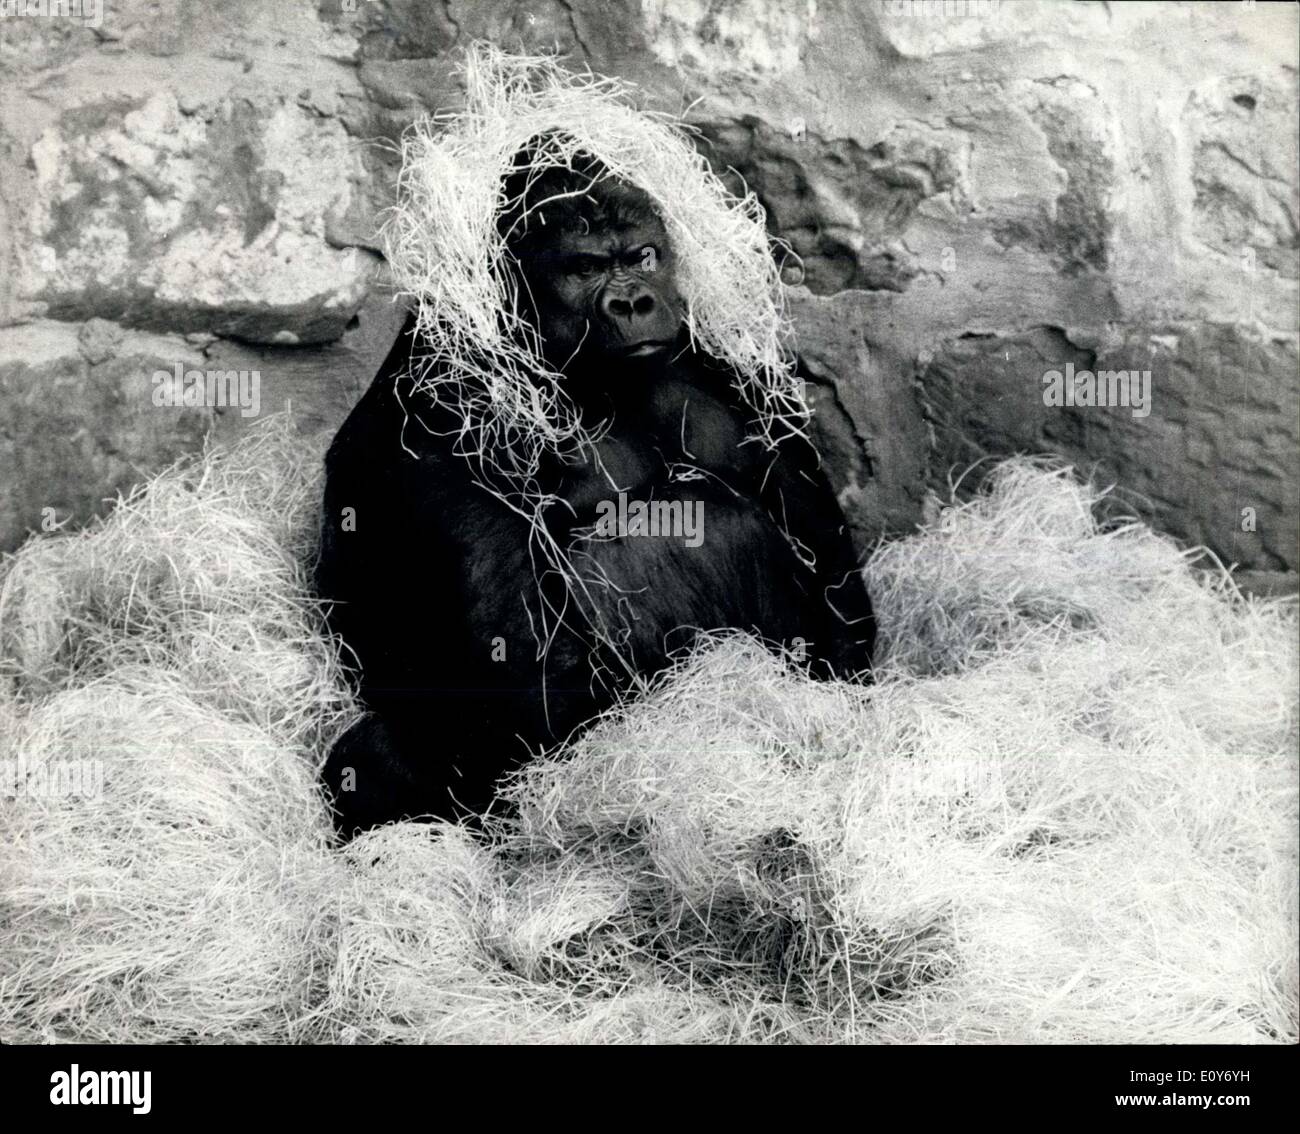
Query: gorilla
point(434, 583)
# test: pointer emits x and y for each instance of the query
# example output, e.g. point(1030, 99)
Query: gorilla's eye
point(584, 266)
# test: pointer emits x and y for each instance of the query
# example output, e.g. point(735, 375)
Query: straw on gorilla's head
point(463, 172)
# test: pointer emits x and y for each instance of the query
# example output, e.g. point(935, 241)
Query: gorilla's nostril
point(627, 306)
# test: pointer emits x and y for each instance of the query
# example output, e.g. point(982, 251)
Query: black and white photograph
point(649, 522)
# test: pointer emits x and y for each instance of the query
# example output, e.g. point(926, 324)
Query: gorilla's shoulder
point(391, 425)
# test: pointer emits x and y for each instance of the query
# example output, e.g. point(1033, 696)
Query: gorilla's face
point(606, 295)
point(599, 282)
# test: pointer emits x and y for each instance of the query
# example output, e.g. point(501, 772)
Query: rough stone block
point(198, 218)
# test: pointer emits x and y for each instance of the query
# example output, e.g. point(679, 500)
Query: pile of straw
point(172, 656)
point(1066, 812)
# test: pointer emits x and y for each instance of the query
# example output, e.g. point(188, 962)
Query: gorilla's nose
point(627, 303)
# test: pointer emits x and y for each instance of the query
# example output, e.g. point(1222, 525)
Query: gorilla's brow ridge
point(566, 201)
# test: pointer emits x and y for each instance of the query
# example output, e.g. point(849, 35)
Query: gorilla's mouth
point(646, 348)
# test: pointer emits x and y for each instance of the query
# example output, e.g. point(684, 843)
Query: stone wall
point(980, 192)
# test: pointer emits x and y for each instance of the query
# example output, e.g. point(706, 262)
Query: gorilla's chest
point(661, 516)
point(668, 446)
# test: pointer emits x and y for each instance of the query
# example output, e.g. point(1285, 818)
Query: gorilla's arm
point(694, 405)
